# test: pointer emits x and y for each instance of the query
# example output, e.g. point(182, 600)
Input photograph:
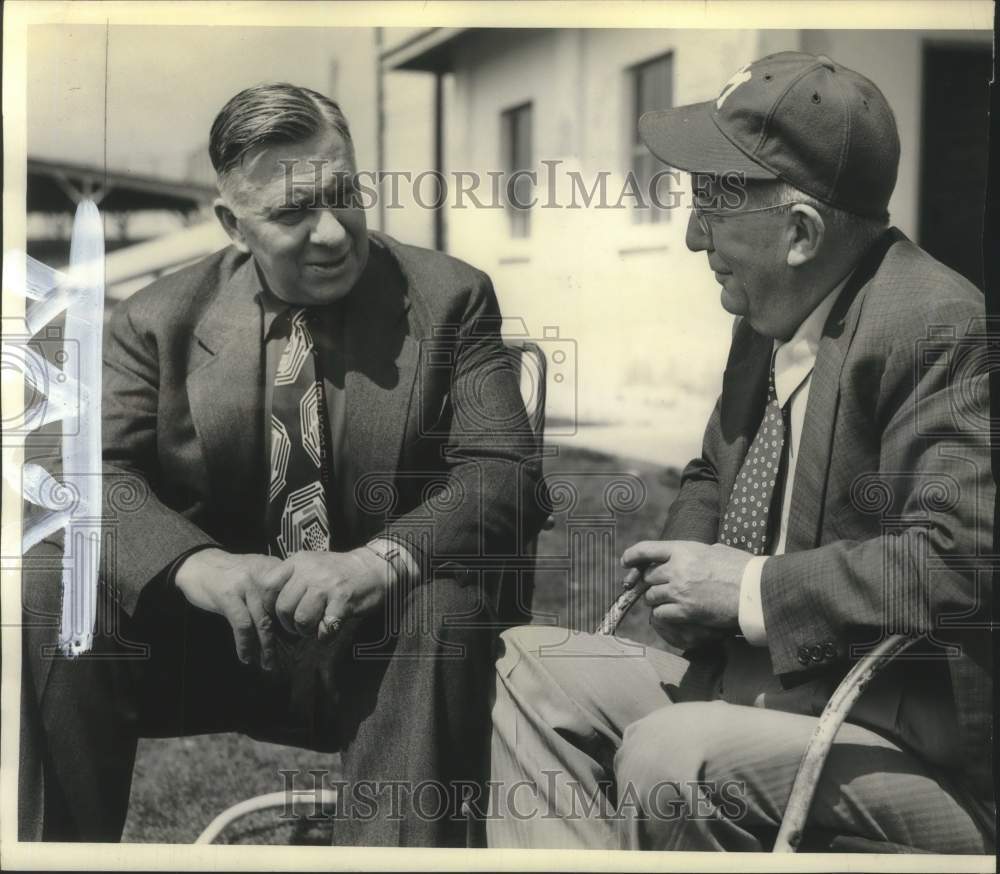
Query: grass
point(180, 784)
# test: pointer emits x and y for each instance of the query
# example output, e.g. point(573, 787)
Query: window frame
point(640, 159)
point(518, 218)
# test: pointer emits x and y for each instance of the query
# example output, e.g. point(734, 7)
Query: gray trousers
point(603, 743)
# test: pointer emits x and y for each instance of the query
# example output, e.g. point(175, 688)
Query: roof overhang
point(429, 51)
point(57, 186)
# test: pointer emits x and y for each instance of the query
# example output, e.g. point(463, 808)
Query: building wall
point(643, 310)
point(650, 335)
point(409, 148)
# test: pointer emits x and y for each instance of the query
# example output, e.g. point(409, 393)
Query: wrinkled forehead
point(274, 170)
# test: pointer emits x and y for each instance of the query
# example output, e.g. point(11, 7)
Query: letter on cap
point(738, 78)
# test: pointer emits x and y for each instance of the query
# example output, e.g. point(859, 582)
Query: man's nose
point(327, 231)
point(696, 239)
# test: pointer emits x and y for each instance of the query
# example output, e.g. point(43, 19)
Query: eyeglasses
point(702, 214)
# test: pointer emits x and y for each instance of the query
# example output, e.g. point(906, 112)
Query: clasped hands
point(252, 591)
point(693, 589)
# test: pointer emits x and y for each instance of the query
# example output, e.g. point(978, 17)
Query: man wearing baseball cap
point(843, 493)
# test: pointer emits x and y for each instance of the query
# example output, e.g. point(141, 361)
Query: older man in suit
point(843, 493)
point(328, 440)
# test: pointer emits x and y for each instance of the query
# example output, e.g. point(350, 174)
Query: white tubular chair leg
point(321, 798)
point(833, 716)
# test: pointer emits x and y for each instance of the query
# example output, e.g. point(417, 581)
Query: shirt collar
point(272, 307)
point(794, 359)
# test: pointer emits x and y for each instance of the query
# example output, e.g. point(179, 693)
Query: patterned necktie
point(745, 525)
point(297, 517)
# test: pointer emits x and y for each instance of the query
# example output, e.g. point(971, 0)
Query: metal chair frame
point(834, 714)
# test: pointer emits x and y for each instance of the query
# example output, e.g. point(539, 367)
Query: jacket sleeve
point(148, 536)
point(493, 499)
point(933, 494)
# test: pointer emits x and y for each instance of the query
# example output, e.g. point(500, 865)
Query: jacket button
point(803, 655)
point(816, 653)
point(829, 650)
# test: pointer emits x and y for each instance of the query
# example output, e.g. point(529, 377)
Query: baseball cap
point(800, 118)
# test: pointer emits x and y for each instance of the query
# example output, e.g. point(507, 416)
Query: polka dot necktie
point(745, 524)
point(297, 517)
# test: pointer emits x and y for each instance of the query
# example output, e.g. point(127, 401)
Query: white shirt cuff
point(751, 612)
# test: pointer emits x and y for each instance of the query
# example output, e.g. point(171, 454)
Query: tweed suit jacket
point(437, 443)
point(891, 516)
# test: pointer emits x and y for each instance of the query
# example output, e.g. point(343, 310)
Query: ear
point(227, 218)
point(808, 232)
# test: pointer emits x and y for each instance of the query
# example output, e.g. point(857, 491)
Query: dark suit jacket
point(437, 444)
point(891, 517)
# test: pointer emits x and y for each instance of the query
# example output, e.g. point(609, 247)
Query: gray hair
point(861, 230)
point(269, 114)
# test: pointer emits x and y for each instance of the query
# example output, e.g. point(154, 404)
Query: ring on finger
point(329, 626)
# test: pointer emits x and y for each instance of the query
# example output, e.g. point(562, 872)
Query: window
point(519, 190)
point(652, 88)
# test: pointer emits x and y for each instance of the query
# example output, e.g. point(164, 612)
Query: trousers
point(602, 743)
point(403, 698)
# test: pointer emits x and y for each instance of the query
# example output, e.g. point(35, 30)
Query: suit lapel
point(225, 390)
point(809, 485)
point(382, 358)
point(813, 464)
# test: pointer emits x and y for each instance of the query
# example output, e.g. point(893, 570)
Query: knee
point(533, 640)
point(660, 766)
point(527, 643)
point(438, 603)
point(670, 747)
point(446, 621)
